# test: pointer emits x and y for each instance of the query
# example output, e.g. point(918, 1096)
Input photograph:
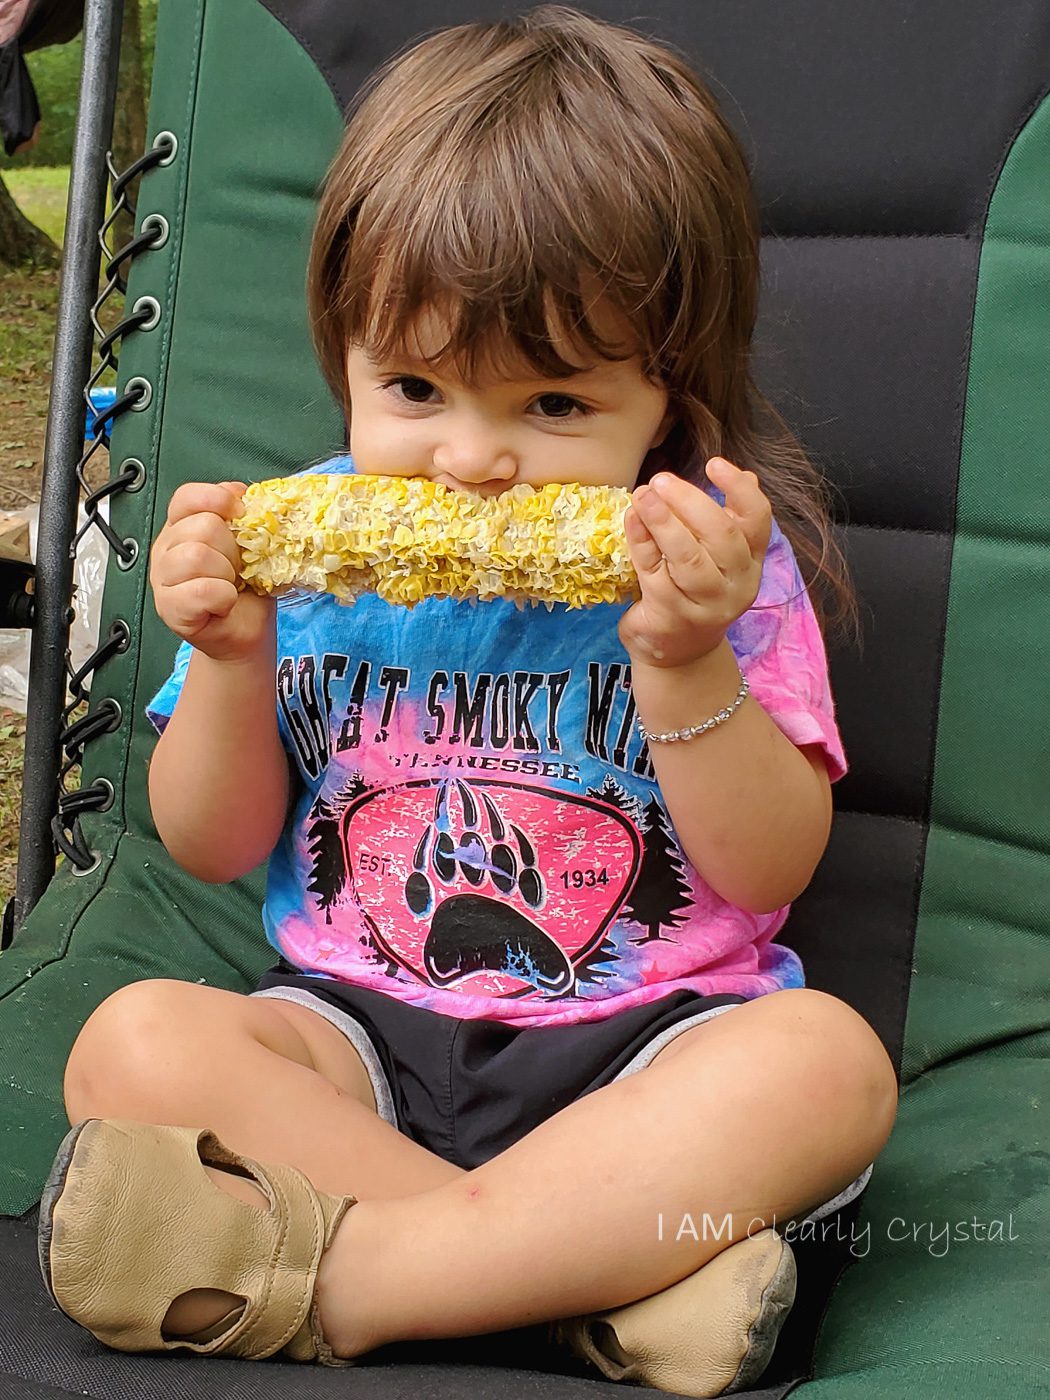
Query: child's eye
point(410, 387)
point(559, 406)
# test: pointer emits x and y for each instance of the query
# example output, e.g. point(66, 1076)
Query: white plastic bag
point(89, 575)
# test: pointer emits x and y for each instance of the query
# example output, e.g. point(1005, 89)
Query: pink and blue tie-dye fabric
point(478, 828)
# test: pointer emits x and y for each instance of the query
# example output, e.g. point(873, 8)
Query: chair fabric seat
point(904, 333)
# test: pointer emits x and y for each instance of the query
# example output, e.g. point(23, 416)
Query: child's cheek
point(381, 446)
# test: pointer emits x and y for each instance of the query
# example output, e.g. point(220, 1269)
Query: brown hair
point(502, 172)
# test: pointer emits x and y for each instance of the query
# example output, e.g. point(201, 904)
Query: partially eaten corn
point(406, 539)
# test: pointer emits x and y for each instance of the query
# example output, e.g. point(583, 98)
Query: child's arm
point(752, 811)
point(219, 781)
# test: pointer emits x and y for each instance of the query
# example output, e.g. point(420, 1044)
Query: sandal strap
point(280, 1313)
point(137, 1222)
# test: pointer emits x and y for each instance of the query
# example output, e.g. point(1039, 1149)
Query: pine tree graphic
point(660, 892)
point(329, 869)
point(590, 972)
point(616, 796)
point(328, 877)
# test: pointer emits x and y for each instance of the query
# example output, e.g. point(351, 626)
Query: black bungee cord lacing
point(106, 716)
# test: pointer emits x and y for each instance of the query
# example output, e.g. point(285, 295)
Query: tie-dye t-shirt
point(478, 829)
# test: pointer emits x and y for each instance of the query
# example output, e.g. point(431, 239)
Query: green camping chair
point(901, 156)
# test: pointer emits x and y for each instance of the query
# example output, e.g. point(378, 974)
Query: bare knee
point(848, 1065)
point(134, 1048)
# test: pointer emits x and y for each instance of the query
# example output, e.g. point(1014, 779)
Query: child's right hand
point(195, 568)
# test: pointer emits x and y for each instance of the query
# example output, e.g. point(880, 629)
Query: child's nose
point(475, 455)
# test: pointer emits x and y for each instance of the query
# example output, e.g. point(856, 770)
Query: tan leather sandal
point(130, 1220)
point(712, 1333)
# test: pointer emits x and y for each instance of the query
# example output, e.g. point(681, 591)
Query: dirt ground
point(27, 310)
point(28, 306)
point(12, 737)
point(28, 303)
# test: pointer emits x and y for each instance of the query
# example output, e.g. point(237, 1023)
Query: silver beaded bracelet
point(720, 718)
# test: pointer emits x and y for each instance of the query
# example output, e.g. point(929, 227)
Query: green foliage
point(56, 77)
point(148, 25)
point(41, 196)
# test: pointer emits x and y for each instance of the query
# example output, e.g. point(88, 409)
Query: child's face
point(409, 418)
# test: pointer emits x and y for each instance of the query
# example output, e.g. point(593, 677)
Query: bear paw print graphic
point(484, 885)
point(474, 928)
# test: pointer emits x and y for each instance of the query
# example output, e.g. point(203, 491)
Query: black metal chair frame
point(41, 598)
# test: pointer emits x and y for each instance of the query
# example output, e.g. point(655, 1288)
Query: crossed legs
point(756, 1116)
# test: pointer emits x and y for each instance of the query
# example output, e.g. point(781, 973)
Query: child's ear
point(667, 423)
point(658, 458)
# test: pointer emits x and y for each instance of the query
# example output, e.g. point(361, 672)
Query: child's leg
point(275, 1082)
point(763, 1113)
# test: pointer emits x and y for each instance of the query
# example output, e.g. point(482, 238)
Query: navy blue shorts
point(468, 1089)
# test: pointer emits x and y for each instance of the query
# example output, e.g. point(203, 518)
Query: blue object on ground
point(101, 399)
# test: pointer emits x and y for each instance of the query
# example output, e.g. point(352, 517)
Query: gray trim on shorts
point(358, 1037)
point(354, 1032)
point(649, 1052)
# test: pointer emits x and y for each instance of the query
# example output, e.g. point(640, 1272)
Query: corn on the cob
point(407, 538)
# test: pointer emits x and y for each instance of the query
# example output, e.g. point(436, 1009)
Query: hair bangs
point(502, 260)
point(541, 330)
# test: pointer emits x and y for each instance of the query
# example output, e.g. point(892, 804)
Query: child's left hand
point(699, 564)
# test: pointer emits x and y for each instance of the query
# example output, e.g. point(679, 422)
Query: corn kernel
point(407, 538)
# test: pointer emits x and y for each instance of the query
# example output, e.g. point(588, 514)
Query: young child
point(491, 1081)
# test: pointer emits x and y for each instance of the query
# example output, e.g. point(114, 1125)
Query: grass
point(40, 193)
point(28, 304)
